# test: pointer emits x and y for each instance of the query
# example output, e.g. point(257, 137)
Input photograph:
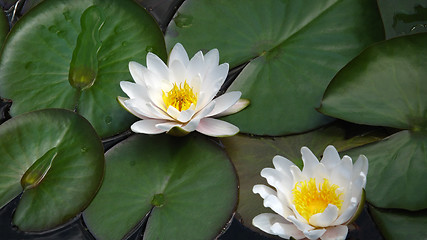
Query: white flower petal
point(196, 83)
point(178, 53)
point(263, 190)
point(224, 102)
point(134, 90)
point(302, 226)
point(192, 125)
point(155, 82)
point(335, 233)
point(178, 72)
point(325, 218)
point(298, 216)
point(205, 111)
point(283, 164)
point(173, 112)
point(216, 128)
point(342, 173)
point(361, 166)
point(348, 213)
point(137, 72)
point(166, 126)
point(142, 109)
point(213, 82)
point(156, 98)
point(359, 182)
point(160, 113)
point(297, 174)
point(130, 109)
point(286, 230)
point(157, 66)
point(147, 126)
point(330, 158)
point(310, 162)
point(196, 66)
point(185, 116)
point(320, 173)
point(277, 179)
point(347, 165)
point(211, 59)
point(314, 234)
point(237, 107)
point(264, 221)
point(273, 202)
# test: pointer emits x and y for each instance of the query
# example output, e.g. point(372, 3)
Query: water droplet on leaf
point(158, 200)
point(183, 21)
point(53, 29)
point(108, 119)
point(61, 34)
point(67, 15)
point(149, 49)
point(29, 65)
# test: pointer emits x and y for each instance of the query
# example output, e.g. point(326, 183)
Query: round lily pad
point(73, 54)
point(56, 159)
point(185, 188)
point(294, 49)
point(383, 86)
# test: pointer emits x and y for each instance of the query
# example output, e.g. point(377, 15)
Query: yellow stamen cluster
point(309, 199)
point(180, 97)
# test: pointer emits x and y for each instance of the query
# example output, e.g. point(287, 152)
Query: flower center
point(310, 199)
point(180, 97)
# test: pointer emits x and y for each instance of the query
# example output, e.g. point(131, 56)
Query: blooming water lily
point(179, 98)
point(317, 202)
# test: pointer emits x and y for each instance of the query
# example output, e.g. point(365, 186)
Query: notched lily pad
point(383, 86)
point(73, 54)
point(294, 48)
point(187, 185)
point(56, 158)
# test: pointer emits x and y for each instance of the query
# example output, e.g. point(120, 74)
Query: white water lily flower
point(178, 98)
point(317, 202)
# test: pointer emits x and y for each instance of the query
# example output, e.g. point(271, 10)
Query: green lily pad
point(403, 17)
point(186, 186)
point(294, 49)
point(73, 54)
point(56, 158)
point(397, 171)
point(384, 86)
point(251, 154)
point(397, 225)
